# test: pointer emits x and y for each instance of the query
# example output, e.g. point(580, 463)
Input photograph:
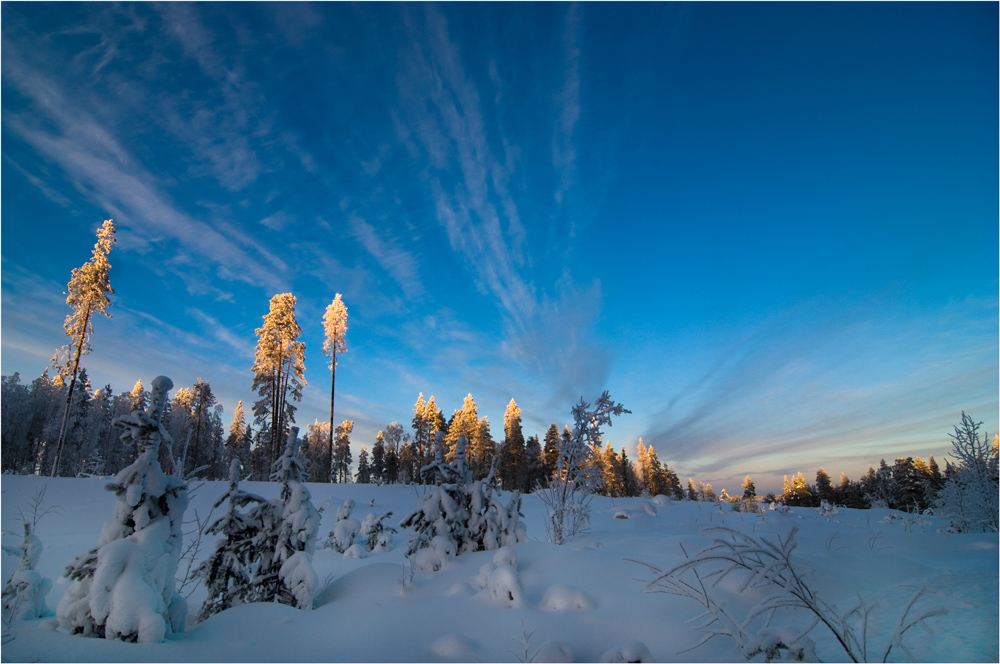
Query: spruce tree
point(88, 290)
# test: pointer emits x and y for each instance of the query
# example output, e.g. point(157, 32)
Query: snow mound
point(435, 556)
point(482, 580)
point(565, 598)
point(453, 647)
point(660, 499)
point(506, 555)
point(554, 651)
point(505, 587)
point(344, 511)
point(355, 551)
point(631, 651)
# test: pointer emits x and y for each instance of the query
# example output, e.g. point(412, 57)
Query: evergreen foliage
point(124, 588)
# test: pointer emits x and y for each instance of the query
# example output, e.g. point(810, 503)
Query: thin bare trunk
point(333, 381)
point(69, 396)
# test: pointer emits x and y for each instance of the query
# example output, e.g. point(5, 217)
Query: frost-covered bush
point(576, 477)
point(125, 587)
point(466, 513)
point(969, 498)
point(25, 590)
point(827, 510)
point(768, 573)
point(228, 572)
point(375, 533)
point(345, 529)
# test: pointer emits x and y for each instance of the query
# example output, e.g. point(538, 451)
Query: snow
point(382, 609)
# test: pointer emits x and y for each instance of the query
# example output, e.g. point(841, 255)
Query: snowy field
point(584, 600)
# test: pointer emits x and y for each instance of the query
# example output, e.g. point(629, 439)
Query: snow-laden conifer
point(227, 572)
point(25, 590)
point(286, 541)
point(459, 515)
point(125, 588)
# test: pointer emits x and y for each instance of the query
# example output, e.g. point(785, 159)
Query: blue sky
point(770, 230)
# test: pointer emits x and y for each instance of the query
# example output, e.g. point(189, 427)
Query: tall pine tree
point(88, 290)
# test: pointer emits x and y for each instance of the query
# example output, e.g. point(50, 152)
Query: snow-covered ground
point(584, 599)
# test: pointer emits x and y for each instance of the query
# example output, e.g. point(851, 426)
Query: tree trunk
point(69, 396)
point(333, 380)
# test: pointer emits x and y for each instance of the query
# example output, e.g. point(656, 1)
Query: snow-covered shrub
point(826, 510)
point(749, 506)
point(969, 498)
point(505, 555)
point(780, 508)
point(482, 580)
point(375, 533)
point(227, 573)
point(25, 590)
point(355, 551)
point(505, 586)
point(576, 477)
point(343, 534)
point(630, 651)
point(125, 587)
point(344, 511)
point(464, 512)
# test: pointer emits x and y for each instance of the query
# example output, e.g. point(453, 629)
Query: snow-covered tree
point(286, 540)
point(459, 515)
point(88, 290)
point(25, 590)
point(512, 449)
point(238, 441)
point(279, 370)
point(124, 588)
point(364, 474)
point(334, 344)
point(567, 496)
point(342, 452)
point(749, 490)
point(227, 573)
point(969, 498)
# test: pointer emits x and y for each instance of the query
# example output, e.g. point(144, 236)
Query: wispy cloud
point(399, 263)
point(103, 171)
point(824, 392)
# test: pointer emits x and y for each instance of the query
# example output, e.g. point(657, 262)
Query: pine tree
point(364, 475)
point(378, 458)
point(202, 401)
point(551, 451)
point(824, 487)
point(534, 465)
point(237, 442)
point(342, 452)
point(88, 290)
point(334, 344)
point(749, 490)
point(465, 422)
point(512, 449)
point(124, 588)
point(279, 370)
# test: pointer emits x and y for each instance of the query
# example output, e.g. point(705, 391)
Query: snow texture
point(565, 598)
point(630, 651)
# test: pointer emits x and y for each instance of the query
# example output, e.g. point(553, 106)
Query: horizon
point(769, 231)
